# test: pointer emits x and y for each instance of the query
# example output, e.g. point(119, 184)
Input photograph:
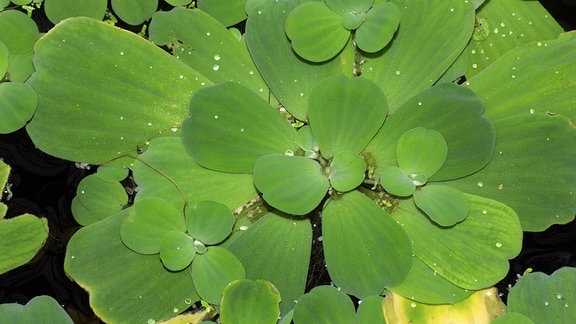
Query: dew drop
point(559, 296)
point(480, 184)
point(301, 94)
point(121, 53)
point(216, 67)
point(149, 124)
point(539, 43)
point(473, 51)
point(217, 57)
point(175, 310)
point(243, 228)
point(498, 244)
point(208, 34)
point(151, 321)
point(181, 77)
point(419, 103)
point(251, 72)
point(174, 129)
point(397, 72)
point(500, 186)
point(485, 212)
point(72, 257)
point(451, 9)
point(215, 116)
point(474, 66)
point(187, 301)
point(546, 303)
point(413, 304)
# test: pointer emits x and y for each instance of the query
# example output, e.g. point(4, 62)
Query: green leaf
point(20, 66)
point(4, 173)
point(213, 271)
point(425, 285)
point(345, 114)
point(177, 250)
point(230, 127)
point(17, 105)
point(209, 221)
point(344, 6)
point(19, 32)
point(250, 301)
point(40, 309)
point(316, 32)
point(421, 150)
point(545, 298)
point(365, 249)
point(58, 10)
point(134, 12)
point(524, 87)
point(486, 239)
point(396, 182)
point(203, 43)
point(147, 223)
point(96, 199)
point(306, 141)
point(502, 26)
point(140, 286)
point(277, 248)
point(370, 310)
point(379, 28)
point(227, 12)
point(100, 97)
point(522, 173)
point(437, 108)
point(353, 20)
point(4, 53)
point(290, 86)
point(167, 171)
point(444, 205)
point(324, 304)
point(420, 56)
point(512, 318)
point(179, 2)
point(346, 171)
point(110, 173)
point(292, 184)
point(22, 237)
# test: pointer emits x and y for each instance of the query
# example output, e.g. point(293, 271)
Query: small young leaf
point(346, 171)
point(134, 12)
point(370, 310)
point(344, 6)
point(250, 301)
point(177, 250)
point(213, 271)
point(209, 221)
point(316, 31)
point(58, 10)
point(17, 105)
point(324, 304)
point(381, 24)
point(444, 205)
point(293, 184)
point(396, 182)
point(97, 199)
point(421, 150)
point(149, 220)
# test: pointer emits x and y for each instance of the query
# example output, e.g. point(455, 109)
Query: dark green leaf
point(58, 10)
point(421, 151)
point(379, 28)
point(17, 105)
point(228, 12)
point(346, 171)
point(96, 199)
point(324, 304)
point(176, 250)
point(370, 310)
point(40, 309)
point(396, 182)
point(134, 12)
point(22, 237)
point(444, 205)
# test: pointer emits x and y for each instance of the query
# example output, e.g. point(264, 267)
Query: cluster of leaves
point(420, 181)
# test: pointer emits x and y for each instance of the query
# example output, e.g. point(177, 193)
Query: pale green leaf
point(346, 171)
point(230, 127)
point(147, 223)
point(420, 55)
point(365, 249)
point(343, 6)
point(58, 10)
point(228, 12)
point(213, 271)
point(396, 181)
point(250, 301)
point(40, 309)
point(19, 32)
point(167, 171)
point(421, 150)
point(107, 95)
point(379, 28)
point(97, 199)
point(209, 221)
point(370, 310)
point(545, 298)
point(134, 12)
point(292, 184)
point(486, 239)
point(277, 248)
point(444, 205)
point(324, 304)
point(316, 32)
point(140, 286)
point(17, 105)
point(22, 237)
point(345, 114)
point(177, 250)
point(291, 86)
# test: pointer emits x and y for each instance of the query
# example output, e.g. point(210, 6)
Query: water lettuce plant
point(413, 143)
